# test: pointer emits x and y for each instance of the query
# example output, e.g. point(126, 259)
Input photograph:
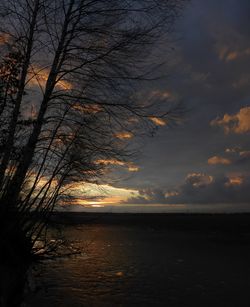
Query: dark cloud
point(208, 69)
point(235, 189)
point(148, 196)
point(230, 159)
point(200, 189)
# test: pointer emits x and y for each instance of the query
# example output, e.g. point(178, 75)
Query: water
point(146, 265)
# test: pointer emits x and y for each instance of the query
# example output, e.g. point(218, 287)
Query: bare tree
point(69, 73)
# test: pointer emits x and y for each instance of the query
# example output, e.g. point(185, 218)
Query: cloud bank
point(200, 188)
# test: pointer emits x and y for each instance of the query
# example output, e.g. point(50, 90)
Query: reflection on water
point(145, 266)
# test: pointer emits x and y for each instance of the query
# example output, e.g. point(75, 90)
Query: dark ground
point(169, 260)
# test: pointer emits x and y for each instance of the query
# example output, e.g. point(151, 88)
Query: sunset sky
point(205, 159)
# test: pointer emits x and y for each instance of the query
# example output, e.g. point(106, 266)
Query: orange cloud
point(110, 162)
point(162, 94)
point(89, 194)
point(39, 77)
point(237, 123)
point(234, 181)
point(129, 165)
point(232, 56)
point(4, 38)
point(133, 168)
point(158, 121)
point(157, 95)
point(218, 160)
point(90, 108)
point(124, 135)
point(228, 55)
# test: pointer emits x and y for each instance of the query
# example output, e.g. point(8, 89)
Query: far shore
point(233, 223)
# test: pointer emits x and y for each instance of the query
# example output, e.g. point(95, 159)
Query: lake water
point(148, 264)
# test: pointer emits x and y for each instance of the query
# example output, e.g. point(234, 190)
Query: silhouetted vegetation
point(69, 75)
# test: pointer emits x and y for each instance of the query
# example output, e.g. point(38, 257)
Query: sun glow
point(87, 194)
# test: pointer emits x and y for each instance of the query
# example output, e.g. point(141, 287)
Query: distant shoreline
point(233, 223)
point(216, 208)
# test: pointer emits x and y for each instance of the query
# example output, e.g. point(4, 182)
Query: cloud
point(235, 157)
point(199, 188)
point(198, 180)
point(124, 135)
point(162, 95)
point(38, 76)
point(229, 56)
point(234, 180)
point(244, 157)
point(245, 154)
point(242, 82)
point(223, 189)
point(209, 87)
point(159, 196)
point(238, 155)
point(148, 196)
point(233, 149)
point(232, 44)
point(131, 167)
point(4, 38)
point(83, 193)
point(238, 123)
point(158, 121)
point(218, 160)
point(87, 109)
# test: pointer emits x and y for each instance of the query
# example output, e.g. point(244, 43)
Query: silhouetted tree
point(69, 73)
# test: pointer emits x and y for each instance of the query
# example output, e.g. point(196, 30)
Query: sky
point(206, 158)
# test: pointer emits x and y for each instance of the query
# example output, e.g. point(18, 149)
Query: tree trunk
point(17, 181)
point(15, 260)
point(18, 101)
